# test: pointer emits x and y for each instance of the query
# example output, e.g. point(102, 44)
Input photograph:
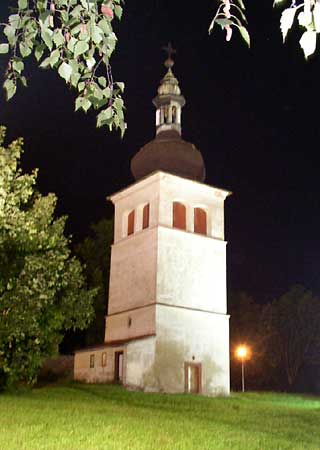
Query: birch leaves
point(230, 15)
point(75, 38)
point(307, 14)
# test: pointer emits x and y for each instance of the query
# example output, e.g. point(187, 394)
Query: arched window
point(179, 216)
point(131, 223)
point(145, 217)
point(161, 115)
point(166, 114)
point(200, 221)
point(174, 114)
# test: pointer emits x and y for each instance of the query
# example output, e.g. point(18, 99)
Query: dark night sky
point(252, 113)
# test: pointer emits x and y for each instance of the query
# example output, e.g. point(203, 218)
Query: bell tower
point(167, 327)
point(167, 300)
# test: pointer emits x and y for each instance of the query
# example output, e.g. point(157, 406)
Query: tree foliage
point(307, 14)
point(293, 326)
point(42, 288)
point(230, 15)
point(74, 38)
point(283, 337)
point(247, 328)
point(95, 252)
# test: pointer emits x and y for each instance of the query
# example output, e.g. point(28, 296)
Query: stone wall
point(98, 373)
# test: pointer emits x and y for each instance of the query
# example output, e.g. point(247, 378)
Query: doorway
point(192, 377)
point(118, 367)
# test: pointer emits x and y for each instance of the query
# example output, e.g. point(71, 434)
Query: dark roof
point(170, 153)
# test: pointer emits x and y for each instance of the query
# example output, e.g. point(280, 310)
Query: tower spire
point(169, 101)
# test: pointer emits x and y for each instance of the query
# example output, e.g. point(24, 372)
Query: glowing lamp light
point(242, 353)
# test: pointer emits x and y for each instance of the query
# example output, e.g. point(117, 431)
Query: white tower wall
point(191, 271)
point(189, 336)
point(167, 299)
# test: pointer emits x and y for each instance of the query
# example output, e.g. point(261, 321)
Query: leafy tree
point(75, 38)
point(230, 15)
point(293, 326)
point(247, 328)
point(95, 252)
point(42, 288)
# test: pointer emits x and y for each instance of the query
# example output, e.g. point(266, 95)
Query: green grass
point(78, 416)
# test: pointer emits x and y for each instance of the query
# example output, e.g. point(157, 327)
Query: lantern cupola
point(168, 152)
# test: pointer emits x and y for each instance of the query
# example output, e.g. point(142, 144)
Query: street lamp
point(242, 353)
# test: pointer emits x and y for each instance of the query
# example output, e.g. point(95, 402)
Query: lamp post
point(241, 354)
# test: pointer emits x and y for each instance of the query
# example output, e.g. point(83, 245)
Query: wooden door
point(192, 378)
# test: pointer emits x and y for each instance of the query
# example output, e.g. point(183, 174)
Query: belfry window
point(146, 216)
point(174, 114)
point(131, 223)
point(179, 216)
point(200, 221)
point(161, 115)
point(166, 114)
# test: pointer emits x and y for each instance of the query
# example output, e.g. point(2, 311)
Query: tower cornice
point(161, 175)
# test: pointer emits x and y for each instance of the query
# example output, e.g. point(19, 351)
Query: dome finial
point(170, 51)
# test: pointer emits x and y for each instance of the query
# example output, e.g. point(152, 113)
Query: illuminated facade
point(167, 327)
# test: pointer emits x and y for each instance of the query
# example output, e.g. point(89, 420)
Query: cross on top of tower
point(170, 51)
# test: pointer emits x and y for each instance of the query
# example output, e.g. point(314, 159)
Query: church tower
point(167, 327)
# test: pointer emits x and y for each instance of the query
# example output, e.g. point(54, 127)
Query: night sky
point(252, 113)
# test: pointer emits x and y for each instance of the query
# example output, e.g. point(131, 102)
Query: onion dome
point(168, 151)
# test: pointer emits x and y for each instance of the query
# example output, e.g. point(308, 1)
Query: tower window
point(166, 114)
point(179, 216)
point(174, 114)
point(91, 361)
point(131, 223)
point(200, 221)
point(161, 115)
point(145, 218)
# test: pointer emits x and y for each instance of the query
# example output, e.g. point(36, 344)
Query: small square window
point(91, 361)
point(104, 359)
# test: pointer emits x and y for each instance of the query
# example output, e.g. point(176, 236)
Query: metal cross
point(170, 50)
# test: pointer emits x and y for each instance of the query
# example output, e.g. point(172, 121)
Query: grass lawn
point(77, 416)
